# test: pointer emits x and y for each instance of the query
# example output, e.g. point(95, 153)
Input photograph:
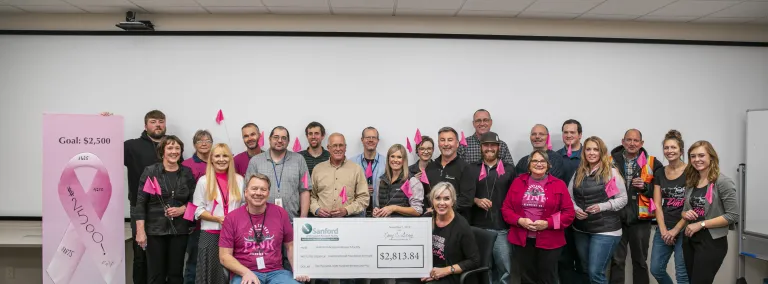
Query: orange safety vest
point(643, 202)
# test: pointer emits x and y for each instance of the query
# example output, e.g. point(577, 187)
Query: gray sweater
point(724, 203)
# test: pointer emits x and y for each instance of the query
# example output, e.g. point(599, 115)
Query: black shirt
point(698, 200)
point(455, 244)
point(459, 174)
point(138, 154)
point(312, 161)
point(493, 188)
point(672, 196)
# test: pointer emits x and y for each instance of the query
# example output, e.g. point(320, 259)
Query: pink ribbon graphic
point(84, 234)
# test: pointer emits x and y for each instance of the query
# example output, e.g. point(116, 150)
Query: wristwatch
point(453, 270)
point(702, 225)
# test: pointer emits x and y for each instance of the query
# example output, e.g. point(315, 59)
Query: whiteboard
point(348, 83)
point(756, 191)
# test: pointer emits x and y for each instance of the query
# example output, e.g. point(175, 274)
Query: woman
point(424, 151)
point(215, 198)
point(539, 208)
point(669, 196)
point(395, 201)
point(710, 209)
point(598, 194)
point(166, 188)
point(454, 249)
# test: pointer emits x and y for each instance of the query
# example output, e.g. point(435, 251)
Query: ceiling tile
point(237, 10)
point(691, 8)
point(715, 20)
point(175, 10)
point(297, 3)
point(629, 7)
point(491, 14)
point(607, 17)
point(496, 5)
point(377, 4)
point(665, 19)
point(544, 15)
point(36, 2)
point(110, 9)
point(300, 10)
point(9, 9)
point(51, 9)
point(412, 12)
point(744, 10)
point(572, 7)
point(362, 11)
point(230, 3)
point(429, 4)
point(118, 3)
point(166, 3)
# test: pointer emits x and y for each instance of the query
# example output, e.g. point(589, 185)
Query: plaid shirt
point(629, 169)
point(472, 153)
point(286, 173)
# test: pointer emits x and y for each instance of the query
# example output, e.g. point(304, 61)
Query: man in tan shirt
point(337, 175)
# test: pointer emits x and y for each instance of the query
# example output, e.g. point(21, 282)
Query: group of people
point(565, 216)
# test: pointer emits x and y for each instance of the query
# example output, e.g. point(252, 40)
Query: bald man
point(539, 134)
point(332, 177)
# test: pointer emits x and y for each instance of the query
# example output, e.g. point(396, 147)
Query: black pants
point(703, 256)
point(165, 258)
point(569, 265)
point(139, 258)
point(638, 237)
point(536, 265)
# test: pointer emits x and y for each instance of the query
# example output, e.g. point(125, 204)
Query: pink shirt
point(241, 162)
point(533, 201)
point(196, 165)
point(238, 233)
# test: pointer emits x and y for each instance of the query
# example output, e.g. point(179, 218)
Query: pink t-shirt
point(238, 233)
point(533, 201)
point(196, 165)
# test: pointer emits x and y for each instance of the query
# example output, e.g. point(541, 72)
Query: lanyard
point(224, 197)
point(278, 180)
point(363, 163)
point(258, 237)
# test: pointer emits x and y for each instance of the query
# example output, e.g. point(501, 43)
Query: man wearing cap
point(493, 179)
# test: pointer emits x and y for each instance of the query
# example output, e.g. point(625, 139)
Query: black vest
point(391, 194)
point(593, 192)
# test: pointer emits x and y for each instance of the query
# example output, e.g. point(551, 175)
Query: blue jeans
point(595, 252)
point(660, 254)
point(501, 263)
point(189, 271)
point(274, 277)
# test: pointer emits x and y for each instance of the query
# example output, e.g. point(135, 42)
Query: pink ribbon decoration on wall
point(85, 233)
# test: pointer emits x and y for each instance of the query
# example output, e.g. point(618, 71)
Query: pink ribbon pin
point(85, 233)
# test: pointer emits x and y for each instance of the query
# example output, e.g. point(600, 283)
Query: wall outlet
point(9, 273)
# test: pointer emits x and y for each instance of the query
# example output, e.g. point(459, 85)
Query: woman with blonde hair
point(598, 194)
point(395, 197)
point(217, 193)
point(710, 209)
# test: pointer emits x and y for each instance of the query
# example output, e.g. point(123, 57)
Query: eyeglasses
point(278, 138)
point(537, 162)
point(199, 142)
point(422, 149)
point(486, 120)
point(337, 146)
point(371, 138)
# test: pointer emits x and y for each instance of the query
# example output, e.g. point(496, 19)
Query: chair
point(485, 240)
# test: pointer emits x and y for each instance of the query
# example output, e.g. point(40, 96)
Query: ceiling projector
point(131, 24)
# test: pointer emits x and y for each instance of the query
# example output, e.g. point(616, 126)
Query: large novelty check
point(340, 248)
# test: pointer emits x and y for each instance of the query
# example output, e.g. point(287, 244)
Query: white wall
point(731, 131)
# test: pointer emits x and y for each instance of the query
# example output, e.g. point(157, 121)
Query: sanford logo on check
point(319, 234)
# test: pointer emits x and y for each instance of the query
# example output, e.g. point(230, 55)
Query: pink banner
point(83, 199)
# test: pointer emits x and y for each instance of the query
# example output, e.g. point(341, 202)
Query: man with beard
point(138, 154)
point(251, 137)
point(449, 168)
point(539, 137)
point(315, 154)
point(373, 165)
point(482, 122)
point(489, 196)
point(287, 170)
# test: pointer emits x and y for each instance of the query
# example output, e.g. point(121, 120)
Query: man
point(448, 167)
point(490, 195)
point(569, 267)
point(252, 236)
point(315, 154)
point(197, 163)
point(539, 135)
point(636, 230)
point(251, 136)
point(471, 153)
point(373, 165)
point(288, 170)
point(335, 176)
point(138, 154)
